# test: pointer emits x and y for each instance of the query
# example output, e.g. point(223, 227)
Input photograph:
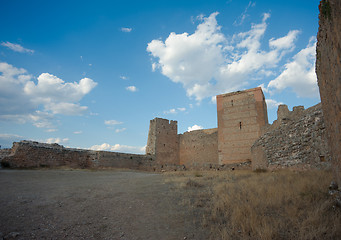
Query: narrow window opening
point(164, 145)
point(232, 102)
point(240, 125)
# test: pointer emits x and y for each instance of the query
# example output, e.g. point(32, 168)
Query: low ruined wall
point(123, 160)
point(199, 147)
point(27, 154)
point(297, 139)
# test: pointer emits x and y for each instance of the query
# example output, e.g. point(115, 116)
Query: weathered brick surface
point(241, 116)
point(297, 139)
point(328, 70)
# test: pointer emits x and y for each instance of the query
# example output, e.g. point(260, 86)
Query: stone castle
point(241, 117)
point(299, 139)
point(243, 138)
point(296, 139)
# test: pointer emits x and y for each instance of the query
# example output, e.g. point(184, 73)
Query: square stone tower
point(163, 141)
point(241, 116)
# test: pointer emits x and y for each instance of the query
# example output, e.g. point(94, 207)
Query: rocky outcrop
point(296, 140)
point(328, 70)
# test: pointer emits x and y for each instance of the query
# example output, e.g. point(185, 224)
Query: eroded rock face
point(328, 70)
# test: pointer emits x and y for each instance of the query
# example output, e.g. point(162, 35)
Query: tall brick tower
point(163, 141)
point(241, 116)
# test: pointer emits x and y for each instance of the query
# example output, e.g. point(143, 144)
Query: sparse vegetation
point(271, 205)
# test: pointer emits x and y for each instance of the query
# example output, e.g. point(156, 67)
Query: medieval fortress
point(243, 138)
point(299, 139)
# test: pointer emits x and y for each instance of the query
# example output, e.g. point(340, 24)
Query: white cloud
point(51, 130)
point(131, 88)
point(57, 96)
point(21, 98)
point(112, 122)
point(206, 63)
point(299, 74)
point(124, 77)
point(6, 139)
point(193, 128)
point(174, 111)
point(120, 130)
point(57, 140)
point(126, 29)
point(271, 103)
point(244, 15)
point(77, 132)
point(17, 47)
point(119, 148)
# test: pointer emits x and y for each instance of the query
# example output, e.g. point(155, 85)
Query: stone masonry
point(28, 154)
point(199, 148)
point(328, 70)
point(241, 116)
point(163, 141)
point(297, 139)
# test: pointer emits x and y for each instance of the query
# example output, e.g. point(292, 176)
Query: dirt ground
point(81, 204)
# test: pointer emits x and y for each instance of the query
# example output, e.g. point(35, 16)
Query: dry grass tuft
point(270, 205)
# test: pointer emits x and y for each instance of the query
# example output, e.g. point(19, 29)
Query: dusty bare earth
point(64, 204)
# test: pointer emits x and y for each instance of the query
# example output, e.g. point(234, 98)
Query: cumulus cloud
point(271, 103)
point(299, 74)
point(119, 148)
point(112, 122)
point(120, 130)
point(57, 140)
point(174, 110)
point(22, 97)
point(126, 29)
point(131, 88)
point(208, 63)
point(123, 77)
point(194, 127)
point(17, 47)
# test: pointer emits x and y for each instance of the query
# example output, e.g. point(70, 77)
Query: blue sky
point(92, 74)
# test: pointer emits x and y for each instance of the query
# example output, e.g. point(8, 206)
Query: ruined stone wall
point(28, 154)
point(241, 116)
point(199, 148)
point(163, 141)
point(297, 139)
point(328, 70)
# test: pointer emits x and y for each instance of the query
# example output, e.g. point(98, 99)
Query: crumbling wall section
point(328, 70)
point(28, 154)
point(199, 148)
point(296, 140)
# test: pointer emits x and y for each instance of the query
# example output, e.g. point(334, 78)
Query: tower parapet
point(163, 141)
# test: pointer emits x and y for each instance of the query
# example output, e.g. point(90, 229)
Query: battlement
point(163, 140)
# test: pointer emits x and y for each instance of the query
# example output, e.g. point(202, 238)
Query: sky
point(92, 74)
